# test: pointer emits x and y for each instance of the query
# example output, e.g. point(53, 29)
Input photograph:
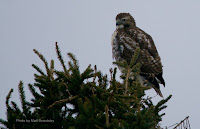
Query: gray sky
point(85, 28)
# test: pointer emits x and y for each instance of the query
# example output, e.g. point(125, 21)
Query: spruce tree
point(70, 99)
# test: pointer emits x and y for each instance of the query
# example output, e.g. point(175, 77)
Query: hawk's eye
point(123, 20)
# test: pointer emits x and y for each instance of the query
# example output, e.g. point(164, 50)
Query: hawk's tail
point(155, 85)
point(158, 91)
point(160, 78)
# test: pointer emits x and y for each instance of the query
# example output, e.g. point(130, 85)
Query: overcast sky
point(85, 28)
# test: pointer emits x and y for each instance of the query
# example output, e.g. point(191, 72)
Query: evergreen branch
point(126, 81)
point(87, 73)
point(162, 107)
point(163, 101)
point(41, 81)
point(117, 95)
point(136, 68)
point(122, 64)
point(38, 69)
point(62, 75)
point(44, 60)
point(64, 100)
point(34, 93)
point(107, 116)
point(99, 80)
point(75, 72)
point(3, 122)
point(15, 106)
point(67, 89)
point(111, 73)
point(162, 114)
point(70, 65)
point(52, 69)
point(52, 65)
point(8, 98)
point(22, 96)
point(157, 107)
point(95, 73)
point(114, 74)
point(98, 127)
point(73, 58)
point(61, 58)
point(137, 101)
point(113, 80)
point(74, 68)
point(149, 111)
point(135, 57)
point(111, 77)
point(105, 80)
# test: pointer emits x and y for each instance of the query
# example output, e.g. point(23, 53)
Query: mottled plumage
point(126, 38)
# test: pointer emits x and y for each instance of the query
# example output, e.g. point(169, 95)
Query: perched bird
point(125, 39)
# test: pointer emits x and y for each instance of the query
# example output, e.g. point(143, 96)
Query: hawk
point(126, 39)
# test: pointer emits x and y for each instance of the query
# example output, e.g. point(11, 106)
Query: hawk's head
point(124, 20)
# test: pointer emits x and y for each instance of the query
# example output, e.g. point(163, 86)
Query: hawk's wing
point(149, 57)
point(151, 67)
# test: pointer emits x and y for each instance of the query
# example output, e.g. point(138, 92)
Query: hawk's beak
point(118, 23)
